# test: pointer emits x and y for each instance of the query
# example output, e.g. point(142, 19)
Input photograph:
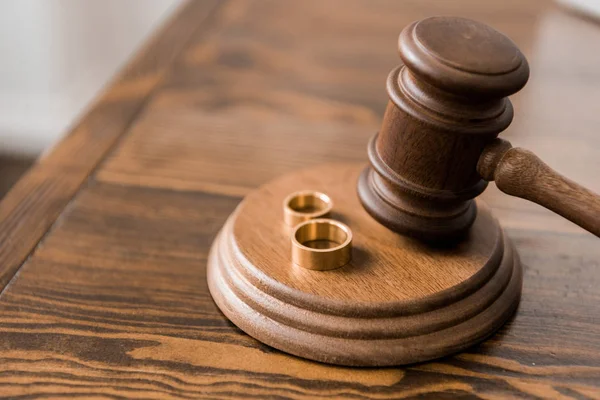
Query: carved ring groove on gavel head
point(447, 102)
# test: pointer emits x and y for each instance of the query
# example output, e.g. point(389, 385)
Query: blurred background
point(57, 56)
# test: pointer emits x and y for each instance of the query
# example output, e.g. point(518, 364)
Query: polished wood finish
point(421, 302)
point(521, 173)
point(112, 300)
point(447, 104)
point(447, 101)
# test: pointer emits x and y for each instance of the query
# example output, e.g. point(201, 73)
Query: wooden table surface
point(104, 242)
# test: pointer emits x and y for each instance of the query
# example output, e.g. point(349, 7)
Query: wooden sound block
point(398, 301)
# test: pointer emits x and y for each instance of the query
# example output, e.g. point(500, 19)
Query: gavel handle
point(521, 173)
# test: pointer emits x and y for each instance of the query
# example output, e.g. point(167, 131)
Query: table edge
point(37, 200)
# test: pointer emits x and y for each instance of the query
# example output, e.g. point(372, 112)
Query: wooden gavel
point(437, 147)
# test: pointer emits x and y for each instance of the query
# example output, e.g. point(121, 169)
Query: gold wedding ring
point(305, 205)
point(321, 244)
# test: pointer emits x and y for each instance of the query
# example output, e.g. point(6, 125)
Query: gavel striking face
point(437, 146)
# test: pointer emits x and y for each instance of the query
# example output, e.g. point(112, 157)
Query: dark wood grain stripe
point(113, 302)
point(134, 318)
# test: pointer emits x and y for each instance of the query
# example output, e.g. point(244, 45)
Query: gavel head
point(447, 101)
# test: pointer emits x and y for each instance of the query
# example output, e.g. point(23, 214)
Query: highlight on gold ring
point(321, 244)
point(305, 205)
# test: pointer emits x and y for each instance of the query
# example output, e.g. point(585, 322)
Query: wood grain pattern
point(421, 302)
point(31, 207)
point(134, 317)
point(113, 302)
point(27, 212)
point(147, 155)
point(271, 80)
point(521, 173)
point(279, 99)
point(413, 274)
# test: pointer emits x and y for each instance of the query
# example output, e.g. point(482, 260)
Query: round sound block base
point(398, 301)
